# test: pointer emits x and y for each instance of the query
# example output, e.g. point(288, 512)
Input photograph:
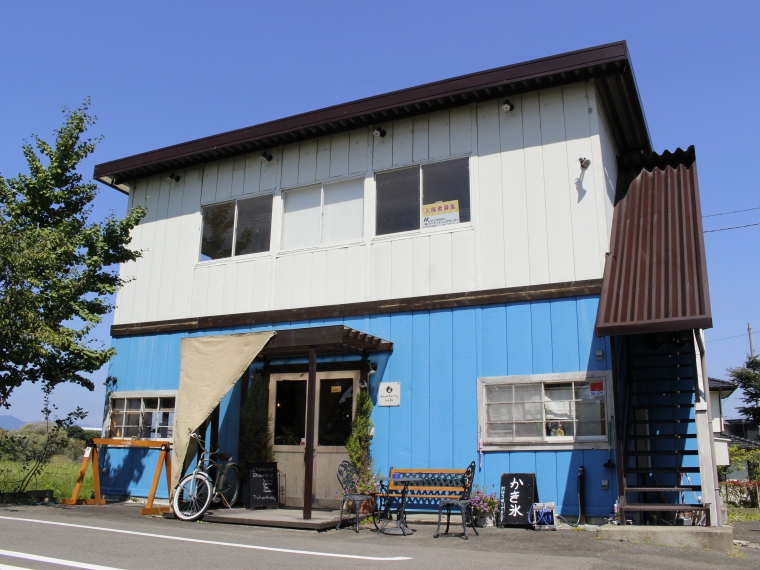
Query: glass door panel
point(290, 412)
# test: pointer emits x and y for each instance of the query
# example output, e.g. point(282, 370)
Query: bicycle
point(196, 491)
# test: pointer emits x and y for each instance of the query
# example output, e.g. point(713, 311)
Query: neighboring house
point(452, 238)
point(719, 391)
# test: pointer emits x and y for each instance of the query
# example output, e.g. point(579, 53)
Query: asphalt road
point(116, 536)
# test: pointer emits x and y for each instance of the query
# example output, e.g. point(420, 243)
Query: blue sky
point(167, 72)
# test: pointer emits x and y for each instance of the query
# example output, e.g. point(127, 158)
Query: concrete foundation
point(703, 538)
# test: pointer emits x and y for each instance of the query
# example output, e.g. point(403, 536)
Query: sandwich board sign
point(518, 492)
point(389, 394)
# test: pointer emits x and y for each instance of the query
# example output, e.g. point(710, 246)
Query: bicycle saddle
point(224, 456)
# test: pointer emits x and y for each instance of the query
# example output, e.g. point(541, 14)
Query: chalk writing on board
point(263, 486)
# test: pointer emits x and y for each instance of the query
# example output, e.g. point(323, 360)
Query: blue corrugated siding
point(437, 357)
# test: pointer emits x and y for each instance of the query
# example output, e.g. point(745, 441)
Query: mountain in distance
point(10, 422)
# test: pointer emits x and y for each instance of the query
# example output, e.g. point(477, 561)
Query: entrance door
point(335, 405)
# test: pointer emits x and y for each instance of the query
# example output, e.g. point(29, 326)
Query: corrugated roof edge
point(211, 147)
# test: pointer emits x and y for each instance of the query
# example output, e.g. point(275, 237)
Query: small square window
point(218, 223)
point(254, 225)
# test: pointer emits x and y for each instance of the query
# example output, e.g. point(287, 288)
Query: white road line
point(213, 542)
point(48, 560)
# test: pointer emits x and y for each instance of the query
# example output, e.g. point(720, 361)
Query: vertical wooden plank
point(523, 461)
point(290, 156)
point(587, 255)
point(421, 266)
point(402, 142)
point(157, 251)
point(515, 208)
point(335, 282)
point(568, 463)
point(546, 475)
point(199, 292)
point(382, 149)
point(438, 134)
point(261, 277)
point(541, 330)
point(464, 396)
point(519, 339)
point(323, 158)
point(588, 342)
point(460, 130)
point(538, 248)
point(269, 172)
point(381, 270)
point(129, 270)
point(490, 197)
point(339, 154)
point(564, 335)
point(224, 179)
point(189, 243)
point(159, 362)
point(301, 280)
point(208, 188)
point(252, 175)
point(556, 188)
point(318, 278)
point(401, 371)
point(357, 153)
point(494, 326)
point(307, 162)
point(355, 273)
point(215, 294)
point(440, 264)
point(229, 288)
point(463, 261)
point(243, 287)
point(283, 282)
point(421, 402)
point(420, 151)
point(401, 268)
point(147, 244)
point(605, 176)
point(441, 398)
point(380, 325)
point(171, 249)
point(238, 175)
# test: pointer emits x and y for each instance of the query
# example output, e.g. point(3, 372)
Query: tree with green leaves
point(58, 268)
point(747, 377)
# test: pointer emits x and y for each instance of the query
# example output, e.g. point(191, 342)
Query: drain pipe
point(581, 495)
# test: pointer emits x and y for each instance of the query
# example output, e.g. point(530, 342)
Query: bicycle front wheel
point(192, 497)
point(230, 486)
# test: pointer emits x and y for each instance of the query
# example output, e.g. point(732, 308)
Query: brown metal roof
point(326, 339)
point(655, 276)
point(609, 64)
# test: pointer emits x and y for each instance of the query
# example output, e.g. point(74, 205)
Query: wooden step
point(647, 470)
point(677, 488)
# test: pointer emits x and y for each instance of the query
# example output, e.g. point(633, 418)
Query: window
point(236, 228)
point(553, 408)
point(322, 214)
point(427, 196)
point(142, 417)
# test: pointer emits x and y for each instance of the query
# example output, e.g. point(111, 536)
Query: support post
point(751, 340)
point(308, 458)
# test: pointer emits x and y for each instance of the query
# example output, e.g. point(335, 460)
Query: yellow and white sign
point(440, 214)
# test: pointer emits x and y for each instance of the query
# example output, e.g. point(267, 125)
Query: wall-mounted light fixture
point(379, 132)
point(265, 157)
point(507, 106)
point(585, 162)
point(173, 176)
point(371, 369)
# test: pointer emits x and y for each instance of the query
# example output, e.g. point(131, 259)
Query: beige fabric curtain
point(209, 368)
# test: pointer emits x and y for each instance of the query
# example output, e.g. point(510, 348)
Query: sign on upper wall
point(440, 214)
point(389, 394)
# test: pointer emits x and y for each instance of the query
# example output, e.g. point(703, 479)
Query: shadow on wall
point(130, 471)
point(381, 361)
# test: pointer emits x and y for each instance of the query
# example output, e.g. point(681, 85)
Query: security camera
point(379, 132)
point(507, 106)
point(585, 162)
point(265, 157)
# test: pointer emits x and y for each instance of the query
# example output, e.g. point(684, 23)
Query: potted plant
point(484, 506)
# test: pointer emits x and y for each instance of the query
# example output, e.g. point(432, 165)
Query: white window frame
point(547, 443)
point(232, 256)
point(142, 394)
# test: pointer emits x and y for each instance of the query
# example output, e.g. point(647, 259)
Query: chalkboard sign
point(518, 492)
point(262, 483)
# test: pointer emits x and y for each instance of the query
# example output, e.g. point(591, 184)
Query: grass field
point(60, 476)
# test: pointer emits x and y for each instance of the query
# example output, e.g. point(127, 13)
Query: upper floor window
point(325, 213)
point(236, 228)
point(150, 417)
point(427, 196)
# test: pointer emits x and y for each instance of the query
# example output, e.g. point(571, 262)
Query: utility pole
point(751, 340)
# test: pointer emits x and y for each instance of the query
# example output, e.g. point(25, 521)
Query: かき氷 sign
point(518, 492)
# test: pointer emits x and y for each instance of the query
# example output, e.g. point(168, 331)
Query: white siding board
point(339, 154)
point(238, 175)
point(128, 271)
point(189, 243)
point(147, 244)
point(380, 279)
point(438, 134)
point(208, 190)
point(301, 294)
point(515, 207)
point(307, 162)
point(556, 187)
point(421, 266)
point(243, 286)
point(490, 199)
point(538, 249)
point(215, 293)
point(463, 261)
point(290, 155)
point(357, 154)
point(402, 268)
point(440, 263)
point(269, 172)
point(335, 279)
point(420, 151)
point(262, 273)
point(403, 139)
point(323, 158)
point(172, 246)
point(156, 266)
point(460, 128)
point(355, 273)
point(382, 154)
point(283, 282)
point(252, 174)
point(318, 277)
point(229, 289)
point(224, 179)
point(199, 292)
